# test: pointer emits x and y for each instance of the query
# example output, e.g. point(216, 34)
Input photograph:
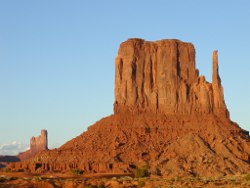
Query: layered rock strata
point(166, 117)
point(162, 77)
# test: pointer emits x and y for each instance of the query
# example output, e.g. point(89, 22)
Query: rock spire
point(219, 103)
point(37, 144)
point(216, 77)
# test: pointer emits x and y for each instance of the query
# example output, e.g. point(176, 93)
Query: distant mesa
point(4, 160)
point(166, 117)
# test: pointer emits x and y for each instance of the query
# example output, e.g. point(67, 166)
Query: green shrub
point(38, 178)
point(101, 185)
point(2, 179)
point(247, 177)
point(92, 186)
point(89, 186)
point(141, 172)
point(76, 171)
point(7, 170)
point(141, 184)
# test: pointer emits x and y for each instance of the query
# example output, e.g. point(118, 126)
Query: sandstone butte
point(166, 116)
point(37, 144)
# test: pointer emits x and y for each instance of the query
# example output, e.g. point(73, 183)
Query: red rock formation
point(161, 76)
point(219, 103)
point(37, 144)
point(165, 116)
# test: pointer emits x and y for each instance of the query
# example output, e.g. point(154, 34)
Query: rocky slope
point(166, 116)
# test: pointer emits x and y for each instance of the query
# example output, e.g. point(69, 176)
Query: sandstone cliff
point(162, 77)
point(37, 144)
point(165, 116)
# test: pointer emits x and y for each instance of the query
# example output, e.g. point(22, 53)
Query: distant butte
point(166, 117)
point(37, 144)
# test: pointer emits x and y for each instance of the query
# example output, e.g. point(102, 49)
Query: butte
point(166, 116)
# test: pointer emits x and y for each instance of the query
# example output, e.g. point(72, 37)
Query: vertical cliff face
point(219, 103)
point(37, 144)
point(162, 77)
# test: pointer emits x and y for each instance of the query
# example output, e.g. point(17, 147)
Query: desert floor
point(23, 180)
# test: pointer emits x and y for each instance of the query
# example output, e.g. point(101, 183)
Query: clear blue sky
point(57, 58)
